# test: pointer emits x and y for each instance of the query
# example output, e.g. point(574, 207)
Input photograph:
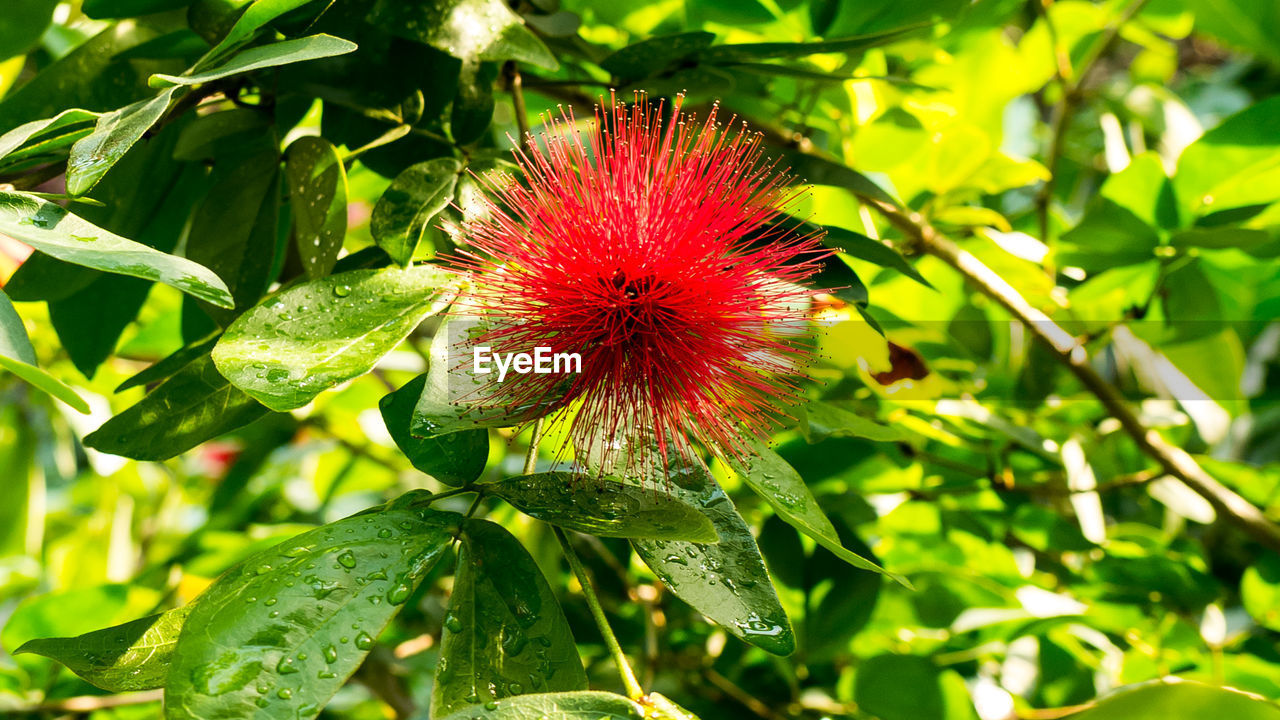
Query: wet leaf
point(504, 633)
point(19, 136)
point(606, 506)
point(584, 705)
point(54, 231)
point(408, 206)
point(113, 136)
point(652, 55)
point(726, 581)
point(470, 30)
point(455, 459)
point(132, 656)
point(823, 420)
point(310, 337)
point(318, 196)
point(280, 633)
point(254, 18)
point(194, 405)
point(773, 479)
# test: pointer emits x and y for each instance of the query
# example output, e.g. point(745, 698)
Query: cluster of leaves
point(234, 207)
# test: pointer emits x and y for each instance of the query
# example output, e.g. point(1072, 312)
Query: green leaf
point(310, 337)
point(472, 111)
point(836, 277)
point(1219, 237)
point(584, 705)
point(235, 228)
point(606, 506)
point(318, 196)
point(24, 22)
point(1260, 591)
point(454, 398)
point(1233, 165)
point(759, 51)
point(112, 9)
point(253, 19)
point(312, 47)
point(171, 364)
point(900, 687)
point(660, 707)
point(822, 420)
point(19, 136)
point(1108, 236)
point(279, 634)
point(504, 633)
point(18, 357)
point(455, 459)
point(470, 30)
point(132, 656)
point(54, 231)
point(773, 479)
point(1176, 699)
point(873, 251)
point(826, 171)
point(194, 405)
point(408, 206)
point(725, 581)
point(655, 54)
point(115, 133)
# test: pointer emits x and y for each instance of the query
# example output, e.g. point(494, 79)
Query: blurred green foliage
point(1116, 163)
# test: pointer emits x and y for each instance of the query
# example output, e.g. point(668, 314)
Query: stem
point(531, 458)
point(634, 691)
point(517, 99)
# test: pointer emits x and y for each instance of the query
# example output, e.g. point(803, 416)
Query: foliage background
point(1117, 163)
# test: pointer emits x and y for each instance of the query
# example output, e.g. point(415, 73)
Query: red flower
point(659, 253)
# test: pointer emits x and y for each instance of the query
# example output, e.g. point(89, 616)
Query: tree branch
point(1071, 352)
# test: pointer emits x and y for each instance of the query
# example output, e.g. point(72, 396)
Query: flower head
point(660, 253)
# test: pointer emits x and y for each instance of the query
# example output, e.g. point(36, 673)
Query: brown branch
point(746, 699)
point(1067, 349)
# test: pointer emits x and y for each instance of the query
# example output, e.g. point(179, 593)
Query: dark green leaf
point(472, 110)
point(182, 44)
point(873, 251)
point(726, 581)
point(455, 459)
point(171, 364)
point(782, 487)
point(1219, 237)
point(18, 357)
point(111, 9)
point(234, 231)
point(278, 635)
point(24, 22)
point(653, 55)
point(204, 136)
point(194, 405)
point(312, 47)
point(470, 30)
point(840, 599)
point(86, 78)
point(132, 656)
point(115, 133)
point(822, 420)
point(1176, 699)
point(836, 277)
point(584, 705)
point(1260, 591)
point(52, 230)
point(823, 171)
point(1107, 237)
point(318, 195)
point(1233, 165)
point(746, 52)
point(408, 206)
point(308, 338)
point(504, 633)
point(606, 506)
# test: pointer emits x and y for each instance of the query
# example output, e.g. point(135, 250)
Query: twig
point(634, 691)
point(1073, 84)
point(1069, 351)
point(744, 698)
point(381, 676)
point(517, 100)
